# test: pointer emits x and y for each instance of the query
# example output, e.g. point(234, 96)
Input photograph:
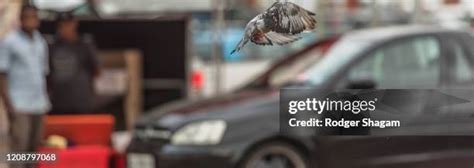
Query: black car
point(242, 129)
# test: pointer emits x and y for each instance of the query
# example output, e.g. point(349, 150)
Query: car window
point(291, 70)
point(412, 63)
point(460, 69)
point(339, 56)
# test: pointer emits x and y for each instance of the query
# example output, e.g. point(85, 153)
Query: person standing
point(9, 10)
point(73, 69)
point(23, 71)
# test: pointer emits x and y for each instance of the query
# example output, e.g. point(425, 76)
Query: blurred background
point(209, 52)
point(154, 52)
point(205, 17)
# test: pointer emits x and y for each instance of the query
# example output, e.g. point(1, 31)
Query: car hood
point(186, 108)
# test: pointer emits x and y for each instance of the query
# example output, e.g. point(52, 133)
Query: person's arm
point(46, 67)
point(4, 67)
point(4, 95)
point(93, 62)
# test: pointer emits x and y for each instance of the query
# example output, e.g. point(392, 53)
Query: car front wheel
point(275, 155)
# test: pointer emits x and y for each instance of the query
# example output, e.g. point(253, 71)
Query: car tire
point(260, 157)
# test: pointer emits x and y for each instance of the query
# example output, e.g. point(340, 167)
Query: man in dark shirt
point(73, 70)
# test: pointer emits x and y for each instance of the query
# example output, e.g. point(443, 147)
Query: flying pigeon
point(280, 24)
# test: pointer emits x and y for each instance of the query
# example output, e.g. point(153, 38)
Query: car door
point(460, 82)
point(461, 62)
point(408, 63)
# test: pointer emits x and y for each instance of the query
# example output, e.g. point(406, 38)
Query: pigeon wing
point(261, 39)
point(281, 39)
point(271, 38)
point(289, 18)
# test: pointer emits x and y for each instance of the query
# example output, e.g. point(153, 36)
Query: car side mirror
point(361, 84)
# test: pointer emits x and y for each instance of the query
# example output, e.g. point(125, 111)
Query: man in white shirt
point(23, 70)
point(8, 16)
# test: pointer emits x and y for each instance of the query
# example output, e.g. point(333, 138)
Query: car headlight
point(200, 133)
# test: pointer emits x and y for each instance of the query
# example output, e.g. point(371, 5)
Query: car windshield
point(338, 56)
point(291, 71)
point(285, 71)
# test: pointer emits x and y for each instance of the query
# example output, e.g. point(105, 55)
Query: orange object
point(78, 157)
point(451, 2)
point(352, 4)
point(81, 129)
